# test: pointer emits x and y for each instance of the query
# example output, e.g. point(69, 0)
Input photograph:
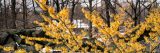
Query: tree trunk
point(107, 3)
point(34, 7)
point(47, 3)
point(62, 4)
point(57, 5)
point(13, 13)
point(5, 13)
point(1, 14)
point(90, 23)
point(72, 10)
point(24, 14)
point(139, 12)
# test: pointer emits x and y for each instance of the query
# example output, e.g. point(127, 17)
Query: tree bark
point(90, 23)
point(139, 11)
point(33, 6)
point(57, 5)
point(5, 13)
point(72, 10)
point(13, 13)
point(107, 5)
point(47, 3)
point(24, 14)
point(1, 14)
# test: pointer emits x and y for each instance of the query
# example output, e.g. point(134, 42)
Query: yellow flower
point(137, 46)
point(20, 51)
point(48, 49)
point(1, 46)
point(43, 1)
point(146, 39)
point(23, 37)
point(75, 48)
point(8, 48)
point(129, 49)
point(42, 4)
point(51, 12)
point(38, 47)
point(98, 43)
point(64, 13)
point(46, 18)
point(64, 49)
point(29, 42)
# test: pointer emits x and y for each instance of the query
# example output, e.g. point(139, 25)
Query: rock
point(10, 43)
point(38, 33)
point(3, 36)
point(28, 48)
point(38, 28)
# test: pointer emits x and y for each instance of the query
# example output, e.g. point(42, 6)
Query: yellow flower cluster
point(42, 4)
point(8, 48)
point(48, 49)
point(62, 33)
point(132, 33)
point(137, 46)
point(93, 17)
point(38, 47)
point(20, 51)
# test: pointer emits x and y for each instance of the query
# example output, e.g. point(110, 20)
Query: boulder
point(3, 36)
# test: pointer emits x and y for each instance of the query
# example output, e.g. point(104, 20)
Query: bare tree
point(60, 4)
point(74, 3)
point(47, 3)
point(13, 13)
point(90, 7)
point(33, 6)
point(24, 13)
point(0, 12)
point(5, 17)
point(90, 23)
point(0, 3)
point(56, 2)
point(107, 5)
point(137, 7)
